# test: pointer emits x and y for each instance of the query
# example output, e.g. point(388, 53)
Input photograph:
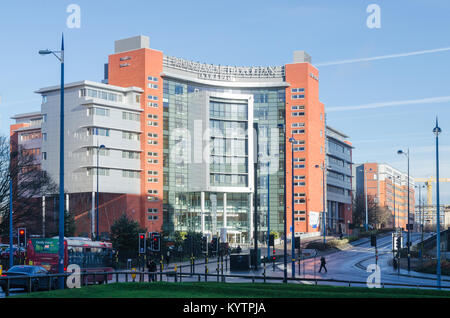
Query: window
point(298, 114)
point(130, 135)
point(152, 142)
point(151, 85)
point(152, 217)
point(98, 111)
point(130, 154)
point(44, 99)
point(152, 104)
point(152, 191)
point(152, 79)
point(152, 154)
point(302, 96)
point(152, 161)
point(152, 180)
point(101, 171)
point(299, 166)
point(44, 156)
point(130, 116)
point(98, 131)
point(130, 174)
point(297, 90)
point(297, 107)
point(298, 131)
point(151, 97)
point(44, 136)
point(152, 210)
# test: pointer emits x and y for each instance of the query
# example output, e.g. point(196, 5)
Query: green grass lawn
point(230, 290)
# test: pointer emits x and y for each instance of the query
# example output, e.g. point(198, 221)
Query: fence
point(176, 276)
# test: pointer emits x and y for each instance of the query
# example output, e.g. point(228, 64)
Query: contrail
point(432, 100)
point(383, 57)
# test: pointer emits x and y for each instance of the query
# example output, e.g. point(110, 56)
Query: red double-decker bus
point(91, 256)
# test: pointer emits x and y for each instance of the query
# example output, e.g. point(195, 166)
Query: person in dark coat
point(322, 264)
point(152, 269)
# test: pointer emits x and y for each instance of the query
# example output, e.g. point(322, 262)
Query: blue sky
point(261, 33)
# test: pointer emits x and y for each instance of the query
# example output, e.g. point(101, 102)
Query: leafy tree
point(124, 234)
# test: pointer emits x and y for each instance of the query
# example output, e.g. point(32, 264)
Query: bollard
point(117, 277)
point(49, 283)
point(126, 277)
point(198, 277)
point(7, 287)
point(217, 271)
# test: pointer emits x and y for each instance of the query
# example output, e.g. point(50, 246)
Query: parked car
point(3, 247)
point(16, 251)
point(41, 280)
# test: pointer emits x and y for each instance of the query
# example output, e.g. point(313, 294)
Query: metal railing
point(177, 276)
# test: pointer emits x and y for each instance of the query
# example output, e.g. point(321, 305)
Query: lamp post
point(365, 191)
point(436, 132)
point(322, 166)
point(292, 141)
point(408, 226)
point(255, 200)
point(96, 212)
point(283, 126)
point(60, 57)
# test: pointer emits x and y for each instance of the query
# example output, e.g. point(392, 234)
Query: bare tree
point(379, 217)
point(30, 183)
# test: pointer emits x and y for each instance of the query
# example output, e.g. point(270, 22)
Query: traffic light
point(271, 240)
point(297, 242)
point(22, 237)
point(155, 242)
point(204, 244)
point(373, 240)
point(273, 255)
point(142, 243)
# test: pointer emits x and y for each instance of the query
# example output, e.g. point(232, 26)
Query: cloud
point(383, 57)
point(431, 100)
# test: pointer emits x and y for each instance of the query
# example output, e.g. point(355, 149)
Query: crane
point(429, 183)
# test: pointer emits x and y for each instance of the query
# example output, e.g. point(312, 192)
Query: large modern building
point(174, 140)
point(389, 188)
point(339, 181)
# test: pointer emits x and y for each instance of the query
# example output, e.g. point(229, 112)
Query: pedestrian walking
point(322, 264)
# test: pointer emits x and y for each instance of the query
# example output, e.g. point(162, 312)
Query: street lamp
point(408, 226)
point(283, 126)
point(322, 166)
point(421, 218)
point(392, 178)
point(292, 141)
point(365, 190)
point(436, 132)
point(60, 57)
point(96, 213)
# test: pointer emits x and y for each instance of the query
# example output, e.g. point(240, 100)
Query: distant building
point(429, 216)
point(338, 180)
point(381, 180)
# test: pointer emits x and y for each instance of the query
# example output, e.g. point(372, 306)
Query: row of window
point(94, 93)
point(297, 90)
point(301, 96)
